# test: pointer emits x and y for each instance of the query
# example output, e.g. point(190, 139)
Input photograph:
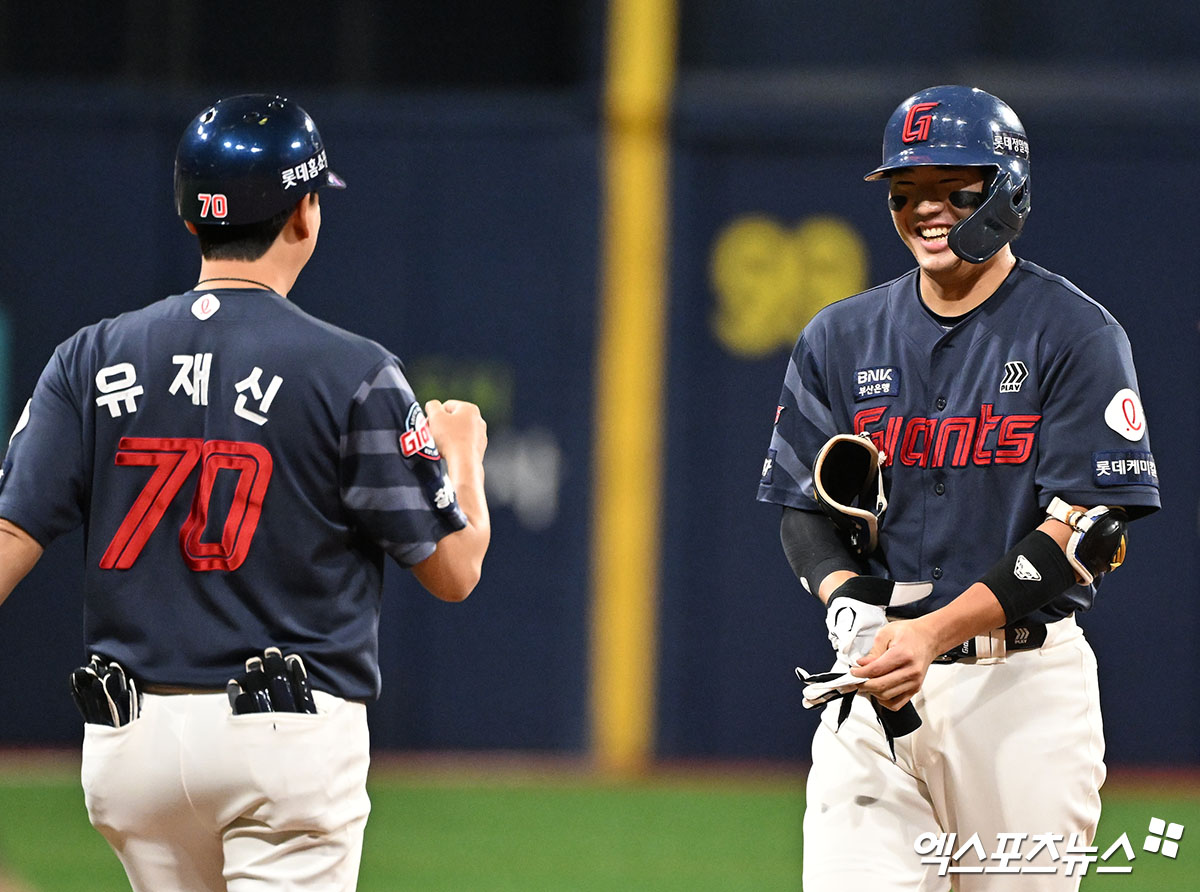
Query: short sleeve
point(393, 479)
point(1095, 442)
point(803, 423)
point(43, 481)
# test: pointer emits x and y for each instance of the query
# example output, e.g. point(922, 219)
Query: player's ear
point(191, 227)
point(303, 219)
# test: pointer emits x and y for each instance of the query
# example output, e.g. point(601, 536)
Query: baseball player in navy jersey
point(958, 454)
point(241, 470)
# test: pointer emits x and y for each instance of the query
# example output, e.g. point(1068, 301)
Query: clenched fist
point(458, 430)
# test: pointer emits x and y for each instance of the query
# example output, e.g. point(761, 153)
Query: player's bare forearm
point(454, 569)
point(18, 553)
point(830, 583)
point(972, 613)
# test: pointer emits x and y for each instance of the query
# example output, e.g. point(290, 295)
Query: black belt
point(171, 689)
point(1024, 637)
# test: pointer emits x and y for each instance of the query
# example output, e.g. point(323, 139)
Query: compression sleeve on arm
point(813, 548)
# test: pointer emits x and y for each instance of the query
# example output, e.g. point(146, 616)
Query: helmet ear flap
point(995, 223)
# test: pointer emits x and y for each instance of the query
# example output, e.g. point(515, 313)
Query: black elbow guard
point(1099, 538)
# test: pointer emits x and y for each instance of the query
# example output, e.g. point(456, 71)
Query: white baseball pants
point(1014, 747)
point(192, 797)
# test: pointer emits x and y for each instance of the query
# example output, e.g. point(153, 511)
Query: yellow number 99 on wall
point(769, 280)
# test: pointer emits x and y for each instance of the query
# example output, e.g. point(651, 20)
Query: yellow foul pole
point(630, 411)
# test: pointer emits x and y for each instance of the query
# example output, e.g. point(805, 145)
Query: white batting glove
point(855, 613)
point(852, 625)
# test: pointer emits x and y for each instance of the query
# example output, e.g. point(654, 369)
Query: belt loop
point(991, 648)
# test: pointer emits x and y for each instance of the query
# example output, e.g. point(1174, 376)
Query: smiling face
point(926, 202)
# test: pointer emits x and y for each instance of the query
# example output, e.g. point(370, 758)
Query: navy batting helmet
point(954, 126)
point(247, 158)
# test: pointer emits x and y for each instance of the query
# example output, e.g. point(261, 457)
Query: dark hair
point(247, 242)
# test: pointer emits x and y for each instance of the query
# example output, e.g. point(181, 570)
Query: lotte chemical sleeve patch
point(1095, 440)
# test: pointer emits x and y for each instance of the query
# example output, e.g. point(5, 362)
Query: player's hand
point(894, 669)
point(857, 619)
point(854, 616)
point(458, 429)
point(856, 613)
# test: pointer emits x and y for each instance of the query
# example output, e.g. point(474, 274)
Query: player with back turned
point(958, 454)
point(241, 470)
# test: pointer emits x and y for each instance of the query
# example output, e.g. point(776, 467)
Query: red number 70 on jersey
point(173, 460)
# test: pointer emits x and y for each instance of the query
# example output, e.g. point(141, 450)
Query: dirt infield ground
point(8, 884)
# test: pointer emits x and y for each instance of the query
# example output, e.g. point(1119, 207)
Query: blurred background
point(606, 222)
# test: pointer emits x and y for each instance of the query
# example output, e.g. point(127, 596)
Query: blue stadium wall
point(468, 244)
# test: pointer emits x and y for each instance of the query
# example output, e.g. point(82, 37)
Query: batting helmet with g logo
point(955, 126)
point(247, 158)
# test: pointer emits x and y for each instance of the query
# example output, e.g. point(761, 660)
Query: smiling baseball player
point(958, 454)
point(242, 470)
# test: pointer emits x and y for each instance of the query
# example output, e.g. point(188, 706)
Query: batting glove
point(272, 683)
point(855, 613)
point(104, 693)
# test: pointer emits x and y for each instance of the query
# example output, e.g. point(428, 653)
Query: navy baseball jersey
point(1032, 395)
point(240, 469)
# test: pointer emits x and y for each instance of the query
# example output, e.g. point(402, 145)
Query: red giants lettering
point(984, 439)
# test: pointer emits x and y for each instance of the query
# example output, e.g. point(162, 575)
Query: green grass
point(1129, 810)
point(583, 837)
point(46, 840)
point(504, 831)
point(478, 832)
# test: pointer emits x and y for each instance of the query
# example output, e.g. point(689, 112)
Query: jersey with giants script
point(241, 469)
point(1032, 395)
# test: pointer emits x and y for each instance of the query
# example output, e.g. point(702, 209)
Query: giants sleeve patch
point(417, 439)
point(1124, 468)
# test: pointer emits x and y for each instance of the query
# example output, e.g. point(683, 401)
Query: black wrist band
point(868, 589)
